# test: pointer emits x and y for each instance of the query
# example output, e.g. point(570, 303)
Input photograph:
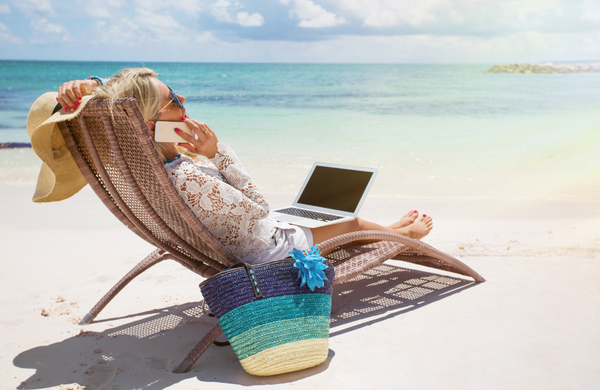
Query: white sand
point(533, 325)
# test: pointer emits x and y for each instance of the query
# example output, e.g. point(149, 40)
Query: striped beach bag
point(275, 314)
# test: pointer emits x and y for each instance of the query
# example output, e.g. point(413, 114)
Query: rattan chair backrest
point(115, 152)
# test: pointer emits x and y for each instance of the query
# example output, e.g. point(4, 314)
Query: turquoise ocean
point(433, 131)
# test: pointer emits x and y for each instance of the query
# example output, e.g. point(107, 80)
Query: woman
point(218, 189)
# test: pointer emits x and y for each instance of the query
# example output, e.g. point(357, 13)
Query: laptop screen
point(335, 188)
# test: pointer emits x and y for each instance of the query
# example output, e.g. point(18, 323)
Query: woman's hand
point(71, 92)
point(203, 143)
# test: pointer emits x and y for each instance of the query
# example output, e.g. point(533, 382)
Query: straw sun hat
point(59, 178)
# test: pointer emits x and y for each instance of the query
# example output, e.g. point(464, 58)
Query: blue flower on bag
point(310, 267)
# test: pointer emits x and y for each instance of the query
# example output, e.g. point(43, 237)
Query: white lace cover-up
point(223, 196)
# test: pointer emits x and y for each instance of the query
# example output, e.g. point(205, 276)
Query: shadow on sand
point(142, 354)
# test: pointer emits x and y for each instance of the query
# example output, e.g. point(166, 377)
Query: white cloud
point(312, 15)
point(592, 45)
point(525, 9)
point(591, 11)
point(9, 38)
point(428, 48)
point(189, 7)
point(223, 11)
point(384, 13)
point(146, 29)
point(421, 48)
point(149, 22)
point(206, 37)
point(34, 6)
point(46, 27)
point(122, 32)
point(6, 36)
point(101, 8)
point(115, 9)
point(220, 10)
point(45, 32)
point(473, 16)
point(249, 20)
point(4, 9)
point(163, 26)
point(152, 5)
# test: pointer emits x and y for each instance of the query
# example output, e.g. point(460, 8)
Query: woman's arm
point(207, 194)
point(223, 157)
point(231, 168)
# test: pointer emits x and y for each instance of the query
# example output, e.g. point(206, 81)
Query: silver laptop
point(331, 194)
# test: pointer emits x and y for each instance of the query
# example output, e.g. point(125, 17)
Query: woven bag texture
point(287, 358)
point(277, 278)
point(286, 330)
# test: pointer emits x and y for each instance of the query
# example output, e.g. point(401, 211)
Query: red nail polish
point(66, 108)
point(177, 130)
point(183, 118)
point(424, 215)
point(74, 107)
point(77, 103)
point(414, 211)
point(56, 99)
point(80, 98)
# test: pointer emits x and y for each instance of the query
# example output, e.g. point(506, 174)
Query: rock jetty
point(13, 145)
point(547, 67)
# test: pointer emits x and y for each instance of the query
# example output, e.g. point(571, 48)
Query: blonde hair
point(136, 83)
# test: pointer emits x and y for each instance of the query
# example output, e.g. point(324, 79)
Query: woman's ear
point(151, 125)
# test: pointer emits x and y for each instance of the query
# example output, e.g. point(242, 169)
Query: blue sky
point(336, 31)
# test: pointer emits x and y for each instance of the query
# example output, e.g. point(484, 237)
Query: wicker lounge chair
point(115, 153)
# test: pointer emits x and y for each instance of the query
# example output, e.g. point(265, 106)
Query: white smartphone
point(165, 131)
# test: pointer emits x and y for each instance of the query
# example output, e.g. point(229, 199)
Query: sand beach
point(534, 323)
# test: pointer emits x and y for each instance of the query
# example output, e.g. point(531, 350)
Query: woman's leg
point(417, 229)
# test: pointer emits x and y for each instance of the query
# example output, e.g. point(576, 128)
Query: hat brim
point(59, 177)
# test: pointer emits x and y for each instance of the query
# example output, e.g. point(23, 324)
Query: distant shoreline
point(14, 145)
point(547, 67)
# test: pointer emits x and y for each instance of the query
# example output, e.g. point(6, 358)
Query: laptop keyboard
point(309, 214)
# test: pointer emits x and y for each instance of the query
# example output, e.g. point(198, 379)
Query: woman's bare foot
point(406, 220)
point(418, 229)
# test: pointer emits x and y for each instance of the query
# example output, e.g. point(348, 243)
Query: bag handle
point(251, 277)
point(253, 280)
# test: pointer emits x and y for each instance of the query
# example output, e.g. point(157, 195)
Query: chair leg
point(153, 258)
point(199, 349)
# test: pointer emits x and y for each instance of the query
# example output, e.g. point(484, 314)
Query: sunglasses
point(175, 98)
